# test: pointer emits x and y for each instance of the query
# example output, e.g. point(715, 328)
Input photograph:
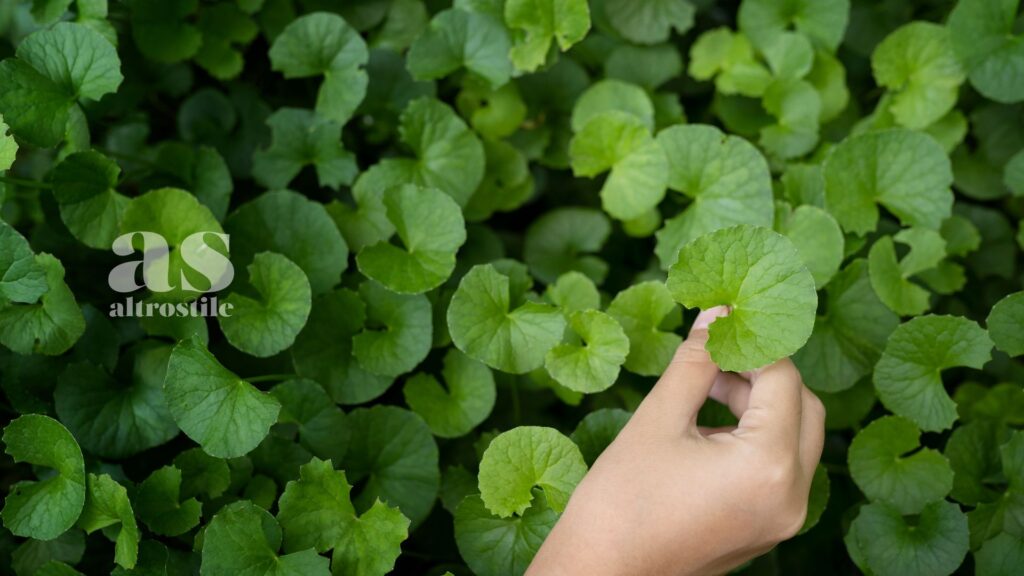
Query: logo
point(178, 279)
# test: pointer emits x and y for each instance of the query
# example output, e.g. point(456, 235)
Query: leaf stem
point(24, 183)
point(271, 378)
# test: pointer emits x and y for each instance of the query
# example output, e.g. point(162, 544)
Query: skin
point(669, 498)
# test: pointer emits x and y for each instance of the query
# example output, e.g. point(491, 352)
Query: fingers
point(775, 406)
point(812, 431)
point(733, 391)
point(683, 388)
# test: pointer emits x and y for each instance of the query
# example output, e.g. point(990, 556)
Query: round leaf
point(467, 401)
point(593, 365)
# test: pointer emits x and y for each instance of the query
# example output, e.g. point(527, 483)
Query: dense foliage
point(467, 238)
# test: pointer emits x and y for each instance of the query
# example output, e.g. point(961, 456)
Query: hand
point(667, 498)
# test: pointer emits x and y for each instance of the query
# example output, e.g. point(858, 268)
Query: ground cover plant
point(466, 238)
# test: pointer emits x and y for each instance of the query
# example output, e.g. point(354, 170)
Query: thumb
point(686, 383)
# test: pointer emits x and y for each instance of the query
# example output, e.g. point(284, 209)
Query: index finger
point(775, 406)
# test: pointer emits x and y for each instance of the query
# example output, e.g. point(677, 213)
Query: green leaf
point(890, 280)
point(160, 506)
point(22, 278)
point(817, 238)
point(50, 326)
point(908, 378)
point(536, 24)
point(646, 66)
point(642, 310)
point(916, 63)
point(46, 508)
point(1013, 173)
point(573, 291)
point(430, 226)
point(1004, 324)
point(244, 538)
point(821, 488)
point(934, 543)
point(612, 96)
point(620, 142)
point(494, 546)
point(906, 172)
point(32, 554)
point(725, 176)
point(322, 426)
point(988, 43)
point(563, 240)
point(398, 332)
point(849, 337)
point(395, 459)
point(459, 38)
point(489, 323)
point(268, 325)
point(8, 147)
point(227, 31)
point(882, 472)
point(597, 430)
point(507, 182)
point(649, 21)
point(115, 417)
point(823, 21)
point(46, 11)
point(324, 44)
point(1000, 556)
point(465, 403)
point(53, 69)
point(226, 415)
point(730, 56)
point(84, 185)
point(796, 106)
point(524, 457)
point(202, 474)
point(448, 156)
point(162, 29)
point(303, 138)
point(295, 227)
point(107, 505)
point(592, 365)
point(757, 273)
point(315, 512)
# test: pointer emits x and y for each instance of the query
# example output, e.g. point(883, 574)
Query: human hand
point(667, 498)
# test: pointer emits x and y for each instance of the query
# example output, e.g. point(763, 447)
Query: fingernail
point(706, 317)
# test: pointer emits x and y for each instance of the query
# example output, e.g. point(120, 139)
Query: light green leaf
point(84, 185)
point(465, 403)
point(789, 55)
point(823, 21)
point(592, 365)
point(488, 322)
point(396, 460)
point(817, 238)
point(563, 240)
point(291, 225)
point(849, 337)
point(934, 544)
point(266, 325)
point(727, 178)
point(620, 142)
point(908, 378)
point(50, 326)
point(536, 24)
point(729, 56)
point(573, 291)
point(404, 338)
point(987, 40)
point(112, 417)
point(642, 310)
point(649, 21)
point(493, 546)
point(906, 172)
point(646, 66)
point(431, 228)
point(373, 544)
point(524, 457)
point(889, 282)
point(303, 138)
point(916, 63)
point(796, 106)
point(460, 38)
point(8, 147)
point(612, 96)
point(226, 415)
point(1004, 324)
point(448, 156)
point(882, 472)
point(107, 505)
point(243, 539)
point(46, 508)
point(22, 278)
point(757, 273)
point(52, 70)
point(159, 504)
point(324, 44)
